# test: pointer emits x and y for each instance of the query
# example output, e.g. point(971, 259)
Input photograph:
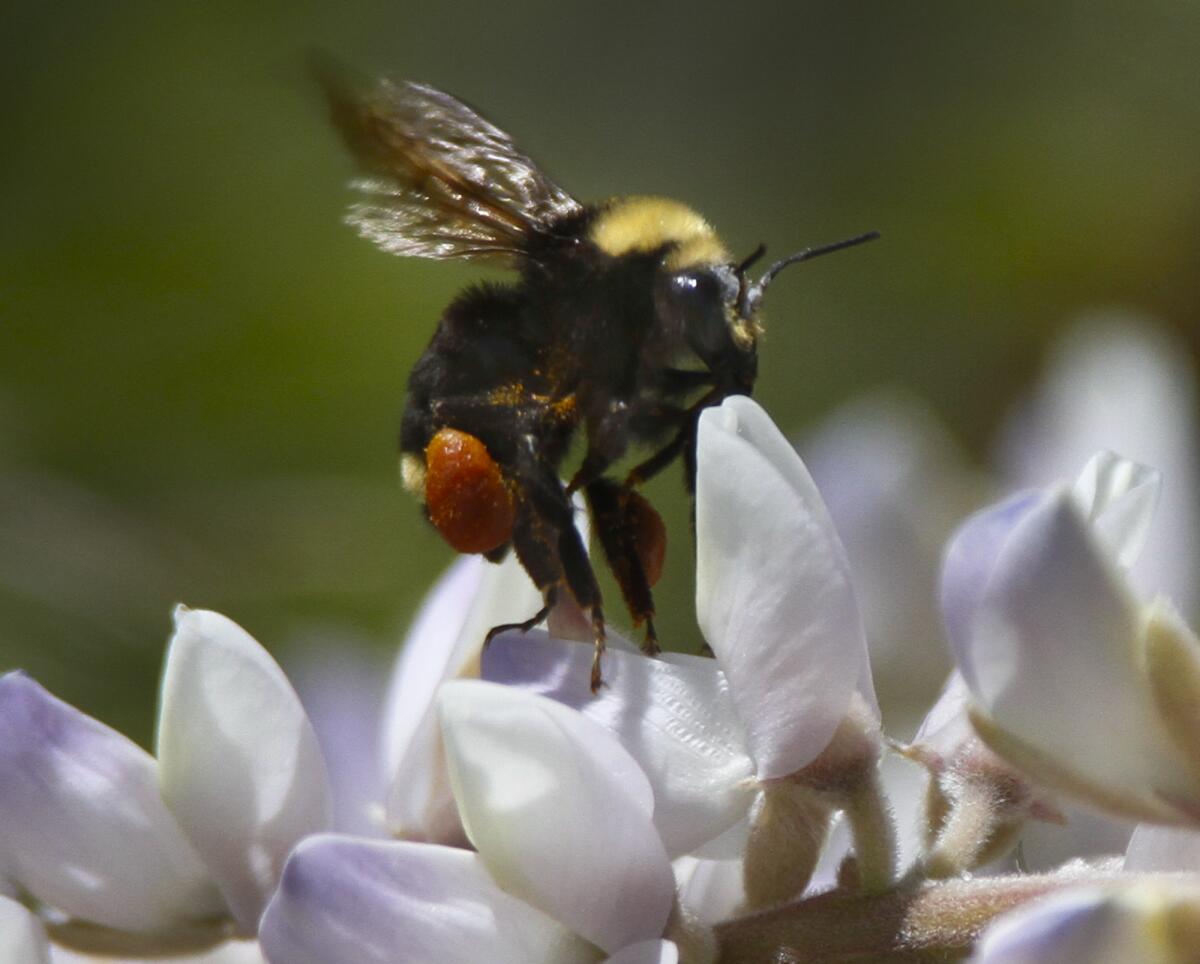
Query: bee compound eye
point(468, 499)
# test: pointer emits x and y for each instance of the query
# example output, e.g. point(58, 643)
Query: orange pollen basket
point(468, 500)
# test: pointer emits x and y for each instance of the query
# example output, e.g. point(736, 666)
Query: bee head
point(700, 292)
point(697, 287)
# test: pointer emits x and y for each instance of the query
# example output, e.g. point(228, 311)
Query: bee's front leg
point(607, 439)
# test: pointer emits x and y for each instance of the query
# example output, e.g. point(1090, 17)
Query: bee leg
point(684, 442)
point(533, 621)
point(581, 580)
point(547, 501)
point(679, 381)
point(540, 561)
point(608, 438)
point(632, 537)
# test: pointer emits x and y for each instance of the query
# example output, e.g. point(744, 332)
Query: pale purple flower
point(443, 643)
point(1053, 642)
point(195, 837)
point(775, 603)
point(1097, 925)
point(568, 867)
point(1122, 382)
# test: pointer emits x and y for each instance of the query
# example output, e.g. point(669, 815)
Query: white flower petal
point(239, 762)
point(22, 936)
point(773, 592)
point(971, 557)
point(473, 596)
point(227, 952)
point(1048, 646)
point(675, 717)
point(82, 826)
point(340, 686)
point(1119, 496)
point(1087, 834)
point(1164, 849)
point(710, 890)
point(428, 655)
point(646, 952)
point(560, 812)
point(1074, 926)
point(348, 901)
point(1126, 383)
point(946, 727)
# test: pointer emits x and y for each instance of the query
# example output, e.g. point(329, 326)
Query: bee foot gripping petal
point(468, 498)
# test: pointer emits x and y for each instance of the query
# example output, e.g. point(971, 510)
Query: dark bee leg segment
point(615, 528)
point(608, 438)
point(680, 381)
point(581, 580)
point(684, 442)
point(645, 471)
point(550, 504)
point(535, 620)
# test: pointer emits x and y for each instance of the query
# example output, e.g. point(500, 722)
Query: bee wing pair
point(443, 181)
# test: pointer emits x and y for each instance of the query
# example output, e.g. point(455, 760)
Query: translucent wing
point(442, 181)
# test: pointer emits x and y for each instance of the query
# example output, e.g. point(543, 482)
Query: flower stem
point(931, 921)
point(871, 823)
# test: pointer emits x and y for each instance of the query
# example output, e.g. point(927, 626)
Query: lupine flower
point(1145, 921)
point(568, 865)
point(1122, 382)
point(1074, 679)
point(117, 842)
point(790, 685)
point(444, 643)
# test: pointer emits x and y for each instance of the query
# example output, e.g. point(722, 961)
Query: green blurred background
point(202, 370)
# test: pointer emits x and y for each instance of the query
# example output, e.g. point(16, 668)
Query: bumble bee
point(628, 319)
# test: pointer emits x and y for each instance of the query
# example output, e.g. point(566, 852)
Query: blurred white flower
point(1163, 849)
point(896, 485)
point(113, 841)
point(1122, 382)
point(1074, 681)
point(569, 866)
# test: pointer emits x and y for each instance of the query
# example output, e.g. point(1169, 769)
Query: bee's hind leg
point(634, 541)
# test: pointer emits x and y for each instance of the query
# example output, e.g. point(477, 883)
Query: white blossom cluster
point(747, 807)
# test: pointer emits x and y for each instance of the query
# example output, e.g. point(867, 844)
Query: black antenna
point(754, 293)
point(750, 259)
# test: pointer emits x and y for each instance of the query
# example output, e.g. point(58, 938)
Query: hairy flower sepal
point(976, 803)
point(789, 826)
point(1053, 644)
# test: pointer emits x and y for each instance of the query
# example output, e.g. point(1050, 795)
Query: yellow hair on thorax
point(646, 223)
